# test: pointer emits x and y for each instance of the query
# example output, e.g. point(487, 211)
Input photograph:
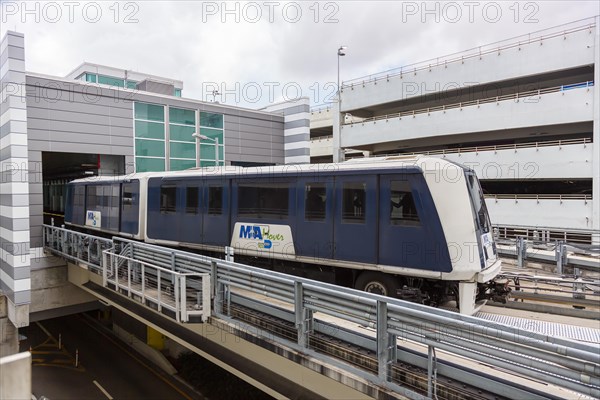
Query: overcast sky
point(263, 51)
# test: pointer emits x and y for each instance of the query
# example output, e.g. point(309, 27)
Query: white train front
point(415, 228)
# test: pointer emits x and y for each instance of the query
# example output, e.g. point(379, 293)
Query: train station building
point(101, 120)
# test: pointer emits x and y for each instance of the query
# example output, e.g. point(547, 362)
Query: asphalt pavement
point(74, 358)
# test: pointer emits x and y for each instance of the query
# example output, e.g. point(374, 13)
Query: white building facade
point(523, 113)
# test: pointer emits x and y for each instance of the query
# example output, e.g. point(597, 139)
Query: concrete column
point(596, 156)
point(338, 152)
point(9, 342)
point(15, 280)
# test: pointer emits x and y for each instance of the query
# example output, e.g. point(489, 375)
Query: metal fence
point(304, 303)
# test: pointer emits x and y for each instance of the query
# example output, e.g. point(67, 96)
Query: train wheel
point(377, 283)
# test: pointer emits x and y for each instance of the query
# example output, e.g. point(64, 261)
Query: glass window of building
point(211, 125)
point(182, 145)
point(149, 137)
point(177, 93)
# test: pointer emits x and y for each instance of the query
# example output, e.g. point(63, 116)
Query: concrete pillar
point(15, 376)
point(338, 152)
point(9, 335)
point(15, 280)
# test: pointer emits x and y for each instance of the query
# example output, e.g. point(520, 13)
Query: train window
point(403, 210)
point(263, 200)
point(79, 196)
point(127, 195)
point(90, 198)
point(215, 200)
point(354, 195)
point(168, 199)
point(315, 196)
point(191, 200)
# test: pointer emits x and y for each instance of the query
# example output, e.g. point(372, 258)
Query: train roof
point(361, 164)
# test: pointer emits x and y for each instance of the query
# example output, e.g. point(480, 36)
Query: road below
point(92, 364)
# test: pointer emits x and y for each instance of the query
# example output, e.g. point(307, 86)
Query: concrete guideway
point(559, 362)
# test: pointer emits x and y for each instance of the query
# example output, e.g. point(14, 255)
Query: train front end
point(460, 203)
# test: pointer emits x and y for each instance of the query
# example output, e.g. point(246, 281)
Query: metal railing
point(76, 246)
point(186, 296)
point(538, 197)
point(546, 234)
point(303, 303)
point(172, 290)
point(476, 52)
point(514, 96)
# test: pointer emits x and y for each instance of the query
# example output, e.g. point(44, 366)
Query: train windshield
point(482, 217)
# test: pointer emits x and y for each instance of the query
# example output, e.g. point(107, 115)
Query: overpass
point(296, 338)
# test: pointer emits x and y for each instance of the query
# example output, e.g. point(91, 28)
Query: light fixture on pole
point(341, 53)
point(199, 137)
point(337, 149)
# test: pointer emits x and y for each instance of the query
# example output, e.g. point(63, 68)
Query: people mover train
point(414, 228)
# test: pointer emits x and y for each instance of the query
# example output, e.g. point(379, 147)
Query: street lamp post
point(199, 137)
point(337, 148)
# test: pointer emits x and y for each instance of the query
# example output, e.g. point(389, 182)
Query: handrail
point(321, 107)
point(495, 99)
point(526, 196)
point(495, 148)
point(479, 51)
point(552, 360)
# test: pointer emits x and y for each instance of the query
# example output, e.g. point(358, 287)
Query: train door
point(355, 218)
point(314, 231)
point(130, 207)
point(402, 237)
point(215, 211)
point(190, 212)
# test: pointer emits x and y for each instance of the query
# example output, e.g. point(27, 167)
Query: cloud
point(268, 45)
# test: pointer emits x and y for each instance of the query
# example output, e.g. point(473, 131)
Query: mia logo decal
point(93, 218)
point(261, 233)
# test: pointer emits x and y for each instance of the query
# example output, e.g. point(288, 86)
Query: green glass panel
point(149, 164)
point(211, 120)
point(90, 78)
point(150, 130)
point(212, 133)
point(182, 116)
point(177, 93)
point(152, 148)
point(109, 80)
point(178, 165)
point(150, 112)
point(207, 151)
point(183, 150)
point(182, 133)
point(131, 84)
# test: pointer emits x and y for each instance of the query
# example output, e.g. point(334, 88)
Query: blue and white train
point(416, 228)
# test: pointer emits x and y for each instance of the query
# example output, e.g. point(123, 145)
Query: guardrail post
point(383, 343)
point(560, 256)
point(213, 280)
point(104, 266)
point(303, 315)
point(129, 278)
point(229, 253)
point(173, 267)
point(431, 372)
point(578, 285)
point(183, 298)
point(521, 251)
point(206, 296)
